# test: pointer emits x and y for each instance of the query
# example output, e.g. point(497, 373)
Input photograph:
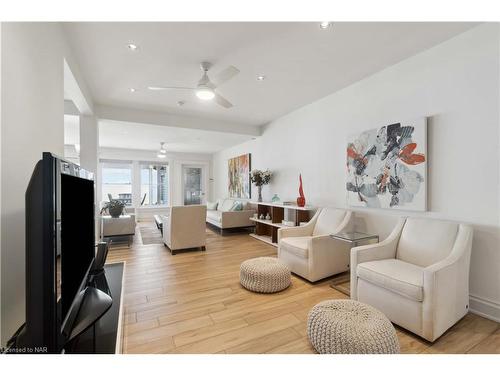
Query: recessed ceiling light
point(261, 78)
point(132, 46)
point(132, 89)
point(325, 25)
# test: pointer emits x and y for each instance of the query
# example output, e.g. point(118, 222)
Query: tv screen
point(76, 227)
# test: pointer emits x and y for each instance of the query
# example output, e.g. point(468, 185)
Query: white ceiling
point(302, 63)
point(118, 134)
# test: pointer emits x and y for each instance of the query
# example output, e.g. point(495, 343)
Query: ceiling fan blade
point(159, 88)
point(225, 75)
point(219, 99)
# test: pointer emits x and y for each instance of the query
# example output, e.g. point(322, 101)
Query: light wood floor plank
point(265, 343)
point(298, 346)
point(239, 336)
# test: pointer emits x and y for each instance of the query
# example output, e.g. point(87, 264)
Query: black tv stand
point(95, 303)
point(96, 332)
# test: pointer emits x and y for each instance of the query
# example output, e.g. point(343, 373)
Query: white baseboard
point(485, 308)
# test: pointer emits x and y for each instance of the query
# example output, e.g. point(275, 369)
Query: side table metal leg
point(338, 281)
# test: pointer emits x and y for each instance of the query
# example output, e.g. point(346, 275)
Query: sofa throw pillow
point(237, 206)
point(212, 205)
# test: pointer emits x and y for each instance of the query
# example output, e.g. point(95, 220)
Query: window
point(117, 182)
point(154, 184)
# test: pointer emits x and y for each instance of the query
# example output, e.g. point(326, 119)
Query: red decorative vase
point(301, 200)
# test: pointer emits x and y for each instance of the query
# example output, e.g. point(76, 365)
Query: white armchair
point(418, 276)
point(184, 227)
point(310, 252)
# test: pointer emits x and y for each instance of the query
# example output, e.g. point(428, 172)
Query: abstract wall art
point(387, 167)
point(239, 176)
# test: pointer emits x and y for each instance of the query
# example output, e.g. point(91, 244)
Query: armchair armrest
point(327, 257)
point(346, 224)
point(379, 251)
point(303, 231)
point(446, 286)
point(300, 231)
point(167, 227)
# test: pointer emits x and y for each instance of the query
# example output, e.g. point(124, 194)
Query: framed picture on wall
point(387, 167)
point(238, 169)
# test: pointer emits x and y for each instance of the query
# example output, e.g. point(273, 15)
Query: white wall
point(456, 85)
point(89, 144)
point(32, 103)
point(175, 160)
point(32, 122)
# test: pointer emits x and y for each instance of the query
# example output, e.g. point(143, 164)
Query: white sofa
point(418, 277)
point(310, 252)
point(184, 227)
point(223, 218)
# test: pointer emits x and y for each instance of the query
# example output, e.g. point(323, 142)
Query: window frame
point(140, 184)
point(127, 164)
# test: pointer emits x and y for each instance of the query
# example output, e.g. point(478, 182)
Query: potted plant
point(114, 207)
point(260, 178)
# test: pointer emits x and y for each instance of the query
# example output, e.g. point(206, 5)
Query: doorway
point(193, 184)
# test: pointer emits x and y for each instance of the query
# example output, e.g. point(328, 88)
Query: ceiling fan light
point(163, 151)
point(205, 93)
point(161, 156)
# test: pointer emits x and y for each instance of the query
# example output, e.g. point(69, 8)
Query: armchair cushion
point(424, 242)
point(298, 246)
point(395, 275)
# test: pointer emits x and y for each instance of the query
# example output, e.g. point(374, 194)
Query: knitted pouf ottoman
point(264, 275)
point(350, 327)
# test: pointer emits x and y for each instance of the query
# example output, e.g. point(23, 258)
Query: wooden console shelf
point(267, 230)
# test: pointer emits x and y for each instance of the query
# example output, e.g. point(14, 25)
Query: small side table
point(354, 239)
point(118, 227)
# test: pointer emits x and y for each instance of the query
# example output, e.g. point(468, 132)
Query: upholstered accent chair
point(310, 252)
point(418, 277)
point(184, 227)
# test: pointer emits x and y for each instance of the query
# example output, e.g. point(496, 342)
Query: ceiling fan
point(206, 89)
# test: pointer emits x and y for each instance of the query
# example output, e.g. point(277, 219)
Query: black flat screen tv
point(60, 250)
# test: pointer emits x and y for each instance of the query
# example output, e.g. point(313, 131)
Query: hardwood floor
point(193, 303)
